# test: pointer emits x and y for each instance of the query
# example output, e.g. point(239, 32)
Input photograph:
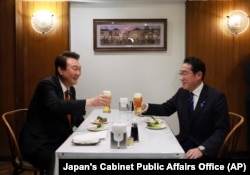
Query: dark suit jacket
point(46, 125)
point(209, 123)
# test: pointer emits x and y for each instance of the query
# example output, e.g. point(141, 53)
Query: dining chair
point(228, 148)
point(14, 121)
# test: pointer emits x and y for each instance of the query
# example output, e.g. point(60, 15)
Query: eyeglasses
point(183, 74)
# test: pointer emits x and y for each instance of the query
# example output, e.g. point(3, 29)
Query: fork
point(154, 119)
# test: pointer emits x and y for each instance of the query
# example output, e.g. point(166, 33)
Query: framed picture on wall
point(130, 35)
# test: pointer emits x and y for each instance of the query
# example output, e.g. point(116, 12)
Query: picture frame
point(129, 35)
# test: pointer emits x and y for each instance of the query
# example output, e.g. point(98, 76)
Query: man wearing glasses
point(201, 109)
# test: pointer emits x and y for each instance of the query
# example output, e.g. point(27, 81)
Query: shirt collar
point(64, 88)
point(197, 91)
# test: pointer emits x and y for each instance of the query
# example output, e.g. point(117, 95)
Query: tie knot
point(191, 94)
point(67, 95)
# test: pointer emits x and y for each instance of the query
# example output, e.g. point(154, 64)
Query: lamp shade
point(237, 22)
point(43, 21)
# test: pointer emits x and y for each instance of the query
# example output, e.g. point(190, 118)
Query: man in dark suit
point(51, 118)
point(204, 125)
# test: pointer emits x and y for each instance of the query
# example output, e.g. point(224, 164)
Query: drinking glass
point(107, 109)
point(137, 103)
point(123, 109)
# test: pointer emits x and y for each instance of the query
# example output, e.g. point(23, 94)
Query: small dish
point(95, 128)
point(86, 142)
point(89, 138)
point(97, 121)
point(157, 127)
point(100, 120)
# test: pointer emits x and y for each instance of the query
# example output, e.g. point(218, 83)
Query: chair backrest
point(14, 121)
point(230, 142)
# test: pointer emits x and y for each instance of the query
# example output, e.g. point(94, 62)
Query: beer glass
point(107, 109)
point(137, 103)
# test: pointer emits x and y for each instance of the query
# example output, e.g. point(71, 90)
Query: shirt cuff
point(146, 108)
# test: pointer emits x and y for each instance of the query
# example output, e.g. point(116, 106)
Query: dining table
point(153, 143)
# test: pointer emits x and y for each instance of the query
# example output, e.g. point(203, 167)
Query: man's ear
point(199, 74)
point(60, 70)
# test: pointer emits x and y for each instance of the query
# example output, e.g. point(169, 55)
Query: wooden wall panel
point(7, 63)
point(225, 54)
point(39, 51)
point(27, 56)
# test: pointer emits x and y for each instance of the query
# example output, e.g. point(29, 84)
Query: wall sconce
point(237, 22)
point(43, 21)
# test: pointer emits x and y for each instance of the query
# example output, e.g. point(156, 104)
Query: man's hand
point(100, 100)
point(194, 153)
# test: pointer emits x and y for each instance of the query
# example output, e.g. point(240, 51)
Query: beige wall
point(154, 74)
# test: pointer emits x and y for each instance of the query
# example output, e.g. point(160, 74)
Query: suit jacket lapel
point(58, 85)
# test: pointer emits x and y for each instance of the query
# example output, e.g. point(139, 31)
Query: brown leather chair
point(14, 121)
point(229, 146)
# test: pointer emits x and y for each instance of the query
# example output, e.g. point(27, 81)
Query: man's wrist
point(145, 108)
point(202, 149)
point(89, 102)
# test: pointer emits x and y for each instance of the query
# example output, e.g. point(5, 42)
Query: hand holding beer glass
point(107, 109)
point(137, 103)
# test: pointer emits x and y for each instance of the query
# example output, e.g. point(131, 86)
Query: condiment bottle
point(134, 132)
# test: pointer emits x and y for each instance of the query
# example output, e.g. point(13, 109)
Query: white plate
point(94, 128)
point(89, 138)
point(96, 121)
point(86, 142)
point(157, 128)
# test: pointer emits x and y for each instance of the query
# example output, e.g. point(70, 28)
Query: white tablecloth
point(153, 144)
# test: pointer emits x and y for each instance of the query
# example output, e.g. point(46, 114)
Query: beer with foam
point(137, 103)
point(107, 109)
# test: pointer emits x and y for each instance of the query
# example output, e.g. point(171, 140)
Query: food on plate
point(100, 119)
point(152, 120)
point(155, 124)
point(98, 127)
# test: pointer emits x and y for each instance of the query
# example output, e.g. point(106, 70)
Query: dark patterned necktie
point(191, 103)
point(67, 97)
